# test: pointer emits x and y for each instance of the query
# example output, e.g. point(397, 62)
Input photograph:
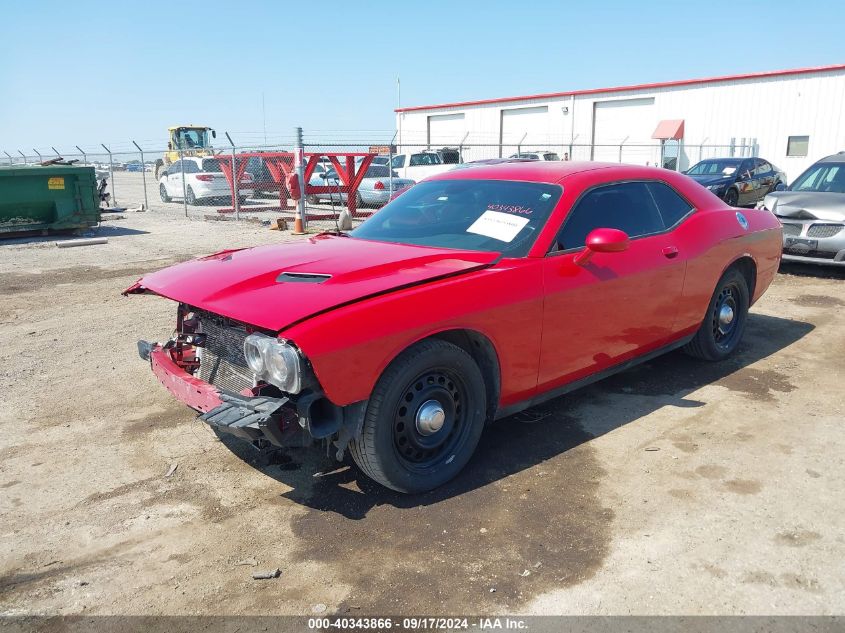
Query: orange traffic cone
point(297, 227)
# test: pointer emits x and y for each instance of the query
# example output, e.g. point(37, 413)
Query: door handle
point(670, 251)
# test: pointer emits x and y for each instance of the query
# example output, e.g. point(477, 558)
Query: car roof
point(726, 159)
point(838, 157)
point(549, 171)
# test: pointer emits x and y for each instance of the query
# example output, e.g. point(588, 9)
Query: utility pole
point(299, 165)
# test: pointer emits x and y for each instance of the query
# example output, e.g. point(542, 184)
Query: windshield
point(379, 171)
point(829, 177)
point(478, 215)
point(714, 168)
point(188, 138)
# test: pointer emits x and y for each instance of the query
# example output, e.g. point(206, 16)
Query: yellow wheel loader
point(186, 140)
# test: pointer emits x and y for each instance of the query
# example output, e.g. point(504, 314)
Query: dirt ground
point(678, 487)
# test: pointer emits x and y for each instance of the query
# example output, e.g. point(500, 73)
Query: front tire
point(731, 197)
point(162, 190)
point(723, 326)
point(423, 420)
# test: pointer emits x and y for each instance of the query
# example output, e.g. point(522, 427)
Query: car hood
point(807, 205)
point(708, 180)
point(273, 287)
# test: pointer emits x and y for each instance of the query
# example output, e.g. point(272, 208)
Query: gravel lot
point(678, 487)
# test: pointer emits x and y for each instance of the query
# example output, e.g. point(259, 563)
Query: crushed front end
point(205, 366)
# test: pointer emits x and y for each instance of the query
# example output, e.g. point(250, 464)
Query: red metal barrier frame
point(280, 165)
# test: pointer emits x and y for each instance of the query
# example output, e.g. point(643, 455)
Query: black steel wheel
point(724, 317)
point(731, 197)
point(429, 421)
point(162, 190)
point(423, 420)
point(723, 327)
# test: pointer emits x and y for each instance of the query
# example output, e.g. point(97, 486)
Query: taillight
point(379, 186)
point(246, 178)
point(205, 177)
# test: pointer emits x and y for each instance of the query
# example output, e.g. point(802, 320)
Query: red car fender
point(709, 258)
point(368, 335)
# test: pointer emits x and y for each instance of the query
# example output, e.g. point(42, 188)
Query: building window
point(797, 145)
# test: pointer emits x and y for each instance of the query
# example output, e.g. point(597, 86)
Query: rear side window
point(190, 167)
point(628, 206)
point(211, 164)
point(398, 161)
point(424, 159)
point(377, 171)
point(673, 208)
point(551, 156)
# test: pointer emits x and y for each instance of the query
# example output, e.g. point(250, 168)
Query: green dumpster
point(48, 198)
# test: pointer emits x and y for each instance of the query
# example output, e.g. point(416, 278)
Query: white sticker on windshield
point(500, 226)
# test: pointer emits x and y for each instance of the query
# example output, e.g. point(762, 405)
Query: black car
point(738, 181)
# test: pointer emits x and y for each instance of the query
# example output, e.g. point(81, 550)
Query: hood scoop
point(302, 278)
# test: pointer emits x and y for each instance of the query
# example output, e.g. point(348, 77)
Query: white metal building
point(790, 117)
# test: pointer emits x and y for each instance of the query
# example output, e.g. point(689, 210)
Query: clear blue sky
point(86, 72)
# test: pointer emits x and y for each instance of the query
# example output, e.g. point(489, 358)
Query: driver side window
point(627, 206)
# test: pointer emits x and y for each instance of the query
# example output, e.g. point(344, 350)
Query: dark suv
point(738, 181)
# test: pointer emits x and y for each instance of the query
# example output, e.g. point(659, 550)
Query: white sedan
point(203, 180)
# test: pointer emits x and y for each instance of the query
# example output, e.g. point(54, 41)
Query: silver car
point(374, 189)
point(812, 212)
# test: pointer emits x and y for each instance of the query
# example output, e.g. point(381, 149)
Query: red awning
point(669, 129)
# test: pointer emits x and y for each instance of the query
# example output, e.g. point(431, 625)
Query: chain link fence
point(219, 179)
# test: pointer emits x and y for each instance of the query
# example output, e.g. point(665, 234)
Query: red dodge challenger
point(475, 294)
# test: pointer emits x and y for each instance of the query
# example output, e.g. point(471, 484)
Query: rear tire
point(162, 190)
point(405, 444)
point(731, 197)
point(191, 198)
point(724, 324)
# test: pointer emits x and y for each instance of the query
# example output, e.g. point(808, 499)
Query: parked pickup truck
point(419, 165)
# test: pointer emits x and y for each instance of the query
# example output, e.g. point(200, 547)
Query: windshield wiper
point(336, 232)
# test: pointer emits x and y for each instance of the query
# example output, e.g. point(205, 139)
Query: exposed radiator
point(222, 361)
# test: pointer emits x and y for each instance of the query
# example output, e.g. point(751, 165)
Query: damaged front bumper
point(255, 418)
point(258, 418)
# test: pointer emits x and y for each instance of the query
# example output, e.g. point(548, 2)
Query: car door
point(746, 183)
point(764, 174)
point(617, 305)
point(174, 179)
point(190, 167)
point(398, 165)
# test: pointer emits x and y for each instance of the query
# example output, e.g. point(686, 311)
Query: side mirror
point(780, 187)
point(603, 241)
point(213, 134)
